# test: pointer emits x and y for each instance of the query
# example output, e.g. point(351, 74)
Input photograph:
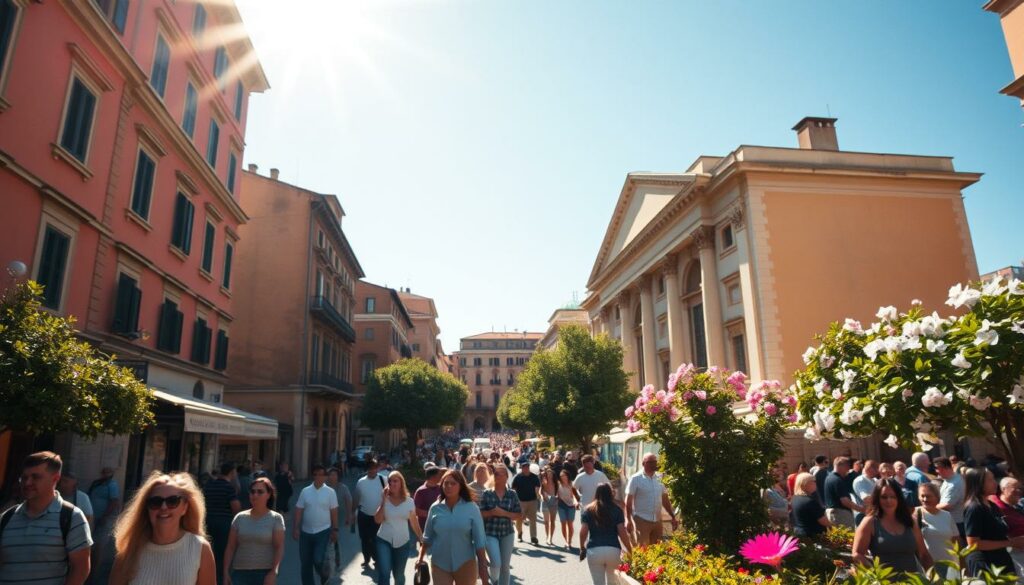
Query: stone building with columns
point(740, 260)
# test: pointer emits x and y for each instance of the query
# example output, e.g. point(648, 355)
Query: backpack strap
point(381, 478)
point(67, 513)
point(4, 519)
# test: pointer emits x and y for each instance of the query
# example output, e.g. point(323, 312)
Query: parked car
point(360, 455)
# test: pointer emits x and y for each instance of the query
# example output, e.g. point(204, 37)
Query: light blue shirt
point(454, 534)
point(916, 475)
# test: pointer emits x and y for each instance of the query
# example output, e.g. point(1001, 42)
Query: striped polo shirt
point(32, 550)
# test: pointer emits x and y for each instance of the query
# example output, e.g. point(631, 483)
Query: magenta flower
point(629, 412)
point(673, 381)
point(711, 410)
point(770, 409)
point(769, 549)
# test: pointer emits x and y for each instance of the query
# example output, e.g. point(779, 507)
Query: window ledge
point(59, 152)
point(206, 275)
point(728, 251)
point(178, 253)
point(225, 292)
point(137, 219)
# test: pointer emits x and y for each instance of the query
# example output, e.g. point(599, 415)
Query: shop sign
point(217, 425)
point(260, 431)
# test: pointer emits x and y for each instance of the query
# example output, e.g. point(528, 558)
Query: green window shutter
point(52, 264)
point(179, 319)
point(229, 252)
point(122, 309)
point(133, 308)
point(189, 216)
point(178, 222)
point(207, 342)
point(208, 242)
point(165, 336)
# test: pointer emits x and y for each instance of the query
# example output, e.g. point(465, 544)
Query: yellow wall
point(1013, 30)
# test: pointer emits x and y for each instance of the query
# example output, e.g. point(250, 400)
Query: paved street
point(531, 565)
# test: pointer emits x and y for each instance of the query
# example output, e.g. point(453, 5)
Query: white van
point(481, 444)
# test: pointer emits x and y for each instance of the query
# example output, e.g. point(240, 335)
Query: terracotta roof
point(506, 335)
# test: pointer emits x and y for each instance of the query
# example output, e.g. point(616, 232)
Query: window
point(617, 315)
point(509, 361)
point(371, 305)
point(232, 163)
point(208, 242)
point(161, 59)
point(661, 286)
point(739, 349)
point(142, 189)
point(220, 64)
point(211, 143)
point(201, 335)
point(314, 355)
point(199, 21)
point(415, 347)
point(511, 379)
point(220, 359)
point(462, 362)
point(479, 378)
point(369, 365)
point(198, 390)
point(479, 399)
point(368, 334)
point(700, 346)
point(320, 238)
point(239, 96)
point(116, 12)
point(78, 120)
point(181, 228)
point(229, 252)
point(169, 334)
point(477, 361)
point(497, 397)
point(735, 297)
point(126, 311)
point(188, 120)
point(53, 264)
point(727, 239)
point(8, 15)
point(662, 328)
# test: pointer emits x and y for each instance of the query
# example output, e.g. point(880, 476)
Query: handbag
point(422, 576)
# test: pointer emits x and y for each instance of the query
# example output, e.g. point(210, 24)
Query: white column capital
point(703, 237)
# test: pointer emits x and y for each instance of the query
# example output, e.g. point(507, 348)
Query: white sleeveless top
point(170, 564)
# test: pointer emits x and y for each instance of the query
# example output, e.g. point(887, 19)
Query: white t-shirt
point(646, 491)
point(370, 493)
point(586, 485)
point(316, 507)
point(952, 492)
point(938, 531)
point(862, 488)
point(395, 528)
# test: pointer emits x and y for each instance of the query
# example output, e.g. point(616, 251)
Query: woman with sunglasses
point(396, 516)
point(159, 536)
point(256, 541)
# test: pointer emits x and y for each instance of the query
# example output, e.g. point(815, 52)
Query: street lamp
point(16, 269)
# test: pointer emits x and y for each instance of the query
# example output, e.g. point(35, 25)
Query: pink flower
point(711, 409)
point(769, 549)
point(674, 414)
point(688, 395)
point(630, 411)
point(685, 372)
point(792, 418)
point(701, 395)
point(632, 425)
point(655, 408)
point(673, 381)
point(770, 409)
point(791, 400)
point(639, 404)
point(647, 392)
point(660, 395)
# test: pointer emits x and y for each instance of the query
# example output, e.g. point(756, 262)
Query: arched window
point(199, 391)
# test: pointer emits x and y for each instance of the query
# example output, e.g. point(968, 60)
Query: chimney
point(253, 168)
point(817, 133)
point(274, 173)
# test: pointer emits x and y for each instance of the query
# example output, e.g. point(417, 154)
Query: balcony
point(325, 379)
point(321, 307)
point(405, 350)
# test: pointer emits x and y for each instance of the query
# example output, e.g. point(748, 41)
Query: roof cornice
point(1001, 7)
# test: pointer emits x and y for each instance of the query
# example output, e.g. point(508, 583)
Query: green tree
point(571, 392)
point(412, 395)
point(52, 382)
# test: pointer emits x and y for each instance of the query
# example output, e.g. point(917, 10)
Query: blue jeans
point(312, 550)
point(248, 576)
point(499, 556)
point(392, 560)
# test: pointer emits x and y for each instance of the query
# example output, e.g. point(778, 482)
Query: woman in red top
point(1006, 501)
point(791, 480)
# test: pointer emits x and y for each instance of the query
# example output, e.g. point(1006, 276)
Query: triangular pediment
point(643, 196)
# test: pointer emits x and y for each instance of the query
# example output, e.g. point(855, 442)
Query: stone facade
point(489, 364)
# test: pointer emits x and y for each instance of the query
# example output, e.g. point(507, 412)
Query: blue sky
point(478, 147)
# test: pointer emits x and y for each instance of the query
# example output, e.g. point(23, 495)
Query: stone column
point(650, 364)
point(704, 241)
point(605, 316)
point(677, 334)
point(626, 330)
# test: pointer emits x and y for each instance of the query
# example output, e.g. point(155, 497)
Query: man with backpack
point(44, 540)
point(366, 499)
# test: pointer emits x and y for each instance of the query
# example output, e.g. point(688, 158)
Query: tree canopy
point(52, 382)
point(571, 392)
point(411, 395)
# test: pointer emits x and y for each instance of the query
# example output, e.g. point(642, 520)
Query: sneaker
point(535, 542)
point(520, 538)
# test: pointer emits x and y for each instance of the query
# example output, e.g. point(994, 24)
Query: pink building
point(121, 140)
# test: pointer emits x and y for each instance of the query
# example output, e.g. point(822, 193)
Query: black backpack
point(67, 512)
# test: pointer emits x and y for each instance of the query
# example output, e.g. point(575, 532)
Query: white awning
point(220, 419)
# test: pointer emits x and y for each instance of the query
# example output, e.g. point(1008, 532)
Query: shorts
point(566, 513)
point(550, 504)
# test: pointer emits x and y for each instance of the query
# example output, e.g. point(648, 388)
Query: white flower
point(825, 420)
point(934, 397)
point(826, 361)
point(935, 346)
point(911, 343)
point(887, 313)
point(960, 361)
point(986, 334)
point(1015, 287)
point(872, 348)
point(881, 411)
point(993, 288)
point(916, 302)
point(875, 327)
point(960, 296)
point(912, 328)
point(963, 393)
point(1018, 327)
point(907, 393)
point(1016, 395)
point(980, 403)
point(931, 325)
point(853, 326)
point(821, 387)
point(812, 433)
point(809, 356)
point(892, 441)
point(837, 394)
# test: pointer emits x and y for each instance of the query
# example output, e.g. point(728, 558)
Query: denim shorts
point(248, 576)
point(566, 513)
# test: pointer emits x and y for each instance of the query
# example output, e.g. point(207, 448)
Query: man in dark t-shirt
point(527, 486)
point(427, 493)
point(221, 506)
point(838, 496)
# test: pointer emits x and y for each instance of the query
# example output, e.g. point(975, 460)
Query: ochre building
point(1011, 17)
point(489, 364)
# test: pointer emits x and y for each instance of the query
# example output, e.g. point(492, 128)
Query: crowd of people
point(909, 517)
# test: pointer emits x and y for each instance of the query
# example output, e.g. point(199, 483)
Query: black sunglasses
point(256, 491)
point(155, 502)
